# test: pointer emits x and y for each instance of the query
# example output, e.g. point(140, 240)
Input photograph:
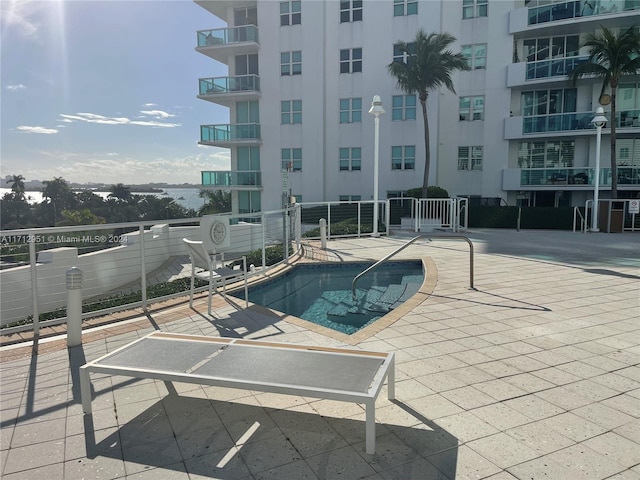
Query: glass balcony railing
point(579, 8)
point(557, 67)
point(227, 36)
point(230, 179)
point(240, 83)
point(577, 176)
point(229, 132)
point(563, 122)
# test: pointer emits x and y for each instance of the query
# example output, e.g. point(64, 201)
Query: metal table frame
point(385, 370)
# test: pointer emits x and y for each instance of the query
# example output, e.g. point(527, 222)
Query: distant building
point(302, 75)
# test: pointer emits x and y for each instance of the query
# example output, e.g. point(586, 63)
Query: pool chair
point(209, 268)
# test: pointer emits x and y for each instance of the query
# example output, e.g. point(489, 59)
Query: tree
point(429, 65)
point(17, 185)
point(120, 192)
point(80, 217)
point(59, 193)
point(611, 57)
point(218, 201)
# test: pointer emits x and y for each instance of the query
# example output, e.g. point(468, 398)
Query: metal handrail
point(398, 250)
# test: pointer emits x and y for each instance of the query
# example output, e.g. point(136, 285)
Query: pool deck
point(534, 374)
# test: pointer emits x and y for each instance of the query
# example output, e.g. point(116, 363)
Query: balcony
point(229, 135)
point(222, 43)
point(572, 13)
point(628, 121)
point(232, 180)
point(571, 178)
point(542, 71)
point(227, 90)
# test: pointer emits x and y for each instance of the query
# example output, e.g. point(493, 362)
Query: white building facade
point(302, 75)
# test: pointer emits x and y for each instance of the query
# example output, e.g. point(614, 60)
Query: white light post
point(377, 110)
point(599, 121)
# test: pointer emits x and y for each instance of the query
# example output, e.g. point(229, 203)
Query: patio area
point(534, 374)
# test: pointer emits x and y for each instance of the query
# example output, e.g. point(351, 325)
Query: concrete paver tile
point(625, 403)
point(502, 450)
point(603, 415)
point(573, 426)
point(466, 464)
point(585, 462)
point(540, 438)
point(344, 462)
point(48, 471)
point(499, 389)
point(630, 431)
point(466, 426)
point(468, 397)
point(501, 416)
point(619, 449)
point(34, 456)
point(534, 407)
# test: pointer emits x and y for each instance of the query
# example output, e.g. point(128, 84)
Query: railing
point(231, 178)
point(344, 219)
point(557, 67)
point(402, 247)
point(229, 132)
point(221, 85)
point(577, 176)
point(577, 8)
point(227, 36)
point(574, 121)
point(578, 214)
point(123, 264)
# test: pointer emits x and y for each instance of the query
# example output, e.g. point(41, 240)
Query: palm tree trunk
point(427, 152)
point(614, 166)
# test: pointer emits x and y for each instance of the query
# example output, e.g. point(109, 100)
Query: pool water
point(321, 293)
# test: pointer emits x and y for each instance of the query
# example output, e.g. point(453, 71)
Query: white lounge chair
point(206, 267)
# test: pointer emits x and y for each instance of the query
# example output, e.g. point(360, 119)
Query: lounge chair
point(207, 267)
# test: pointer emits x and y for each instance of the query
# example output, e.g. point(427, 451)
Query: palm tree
point(17, 185)
point(120, 192)
point(611, 57)
point(217, 201)
point(429, 65)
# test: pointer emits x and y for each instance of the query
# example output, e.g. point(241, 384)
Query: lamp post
point(599, 121)
point(376, 110)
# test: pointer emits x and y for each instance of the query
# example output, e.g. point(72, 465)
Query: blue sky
point(105, 91)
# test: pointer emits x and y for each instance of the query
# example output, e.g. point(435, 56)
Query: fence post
point(34, 285)
point(74, 306)
point(323, 234)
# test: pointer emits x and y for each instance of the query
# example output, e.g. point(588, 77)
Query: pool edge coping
point(426, 289)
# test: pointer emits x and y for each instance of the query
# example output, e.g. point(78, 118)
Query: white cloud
point(14, 88)
point(28, 129)
point(19, 15)
point(100, 119)
point(157, 113)
point(150, 105)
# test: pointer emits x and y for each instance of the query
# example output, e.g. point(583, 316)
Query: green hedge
point(547, 218)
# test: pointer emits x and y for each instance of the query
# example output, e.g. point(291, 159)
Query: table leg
point(370, 431)
point(85, 390)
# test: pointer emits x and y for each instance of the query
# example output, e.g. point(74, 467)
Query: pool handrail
point(402, 247)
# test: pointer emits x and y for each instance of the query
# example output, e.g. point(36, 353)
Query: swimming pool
point(321, 293)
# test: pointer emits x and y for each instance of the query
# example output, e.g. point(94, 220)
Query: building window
point(351, 60)
point(350, 198)
point(350, 110)
point(401, 56)
point(403, 157)
point(547, 102)
point(474, 8)
point(291, 111)
point(405, 7)
point(551, 47)
point(291, 63)
point(541, 154)
point(403, 107)
point(476, 55)
point(469, 158)
point(471, 108)
point(291, 159)
point(248, 158)
point(350, 11)
point(290, 13)
point(350, 159)
point(400, 198)
point(627, 155)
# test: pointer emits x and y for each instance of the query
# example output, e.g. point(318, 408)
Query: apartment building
point(302, 75)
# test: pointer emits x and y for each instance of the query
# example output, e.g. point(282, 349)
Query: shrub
point(432, 192)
